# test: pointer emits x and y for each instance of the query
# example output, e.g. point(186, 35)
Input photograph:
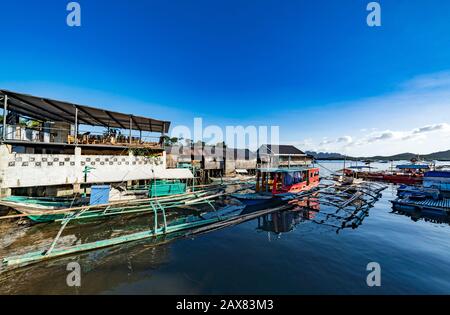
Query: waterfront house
point(240, 161)
point(51, 147)
point(278, 156)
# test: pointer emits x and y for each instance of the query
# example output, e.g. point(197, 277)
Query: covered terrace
point(33, 119)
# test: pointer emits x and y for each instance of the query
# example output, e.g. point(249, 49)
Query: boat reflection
point(285, 221)
point(426, 215)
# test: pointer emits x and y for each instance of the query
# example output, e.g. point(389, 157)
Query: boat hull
point(253, 199)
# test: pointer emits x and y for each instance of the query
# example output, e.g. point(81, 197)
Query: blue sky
point(312, 67)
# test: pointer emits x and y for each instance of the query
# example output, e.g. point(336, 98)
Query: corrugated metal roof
point(46, 109)
point(280, 149)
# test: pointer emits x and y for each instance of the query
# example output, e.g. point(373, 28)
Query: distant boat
point(410, 174)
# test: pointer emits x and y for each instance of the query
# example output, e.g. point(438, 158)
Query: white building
point(47, 146)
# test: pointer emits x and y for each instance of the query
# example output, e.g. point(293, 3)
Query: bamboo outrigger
point(49, 211)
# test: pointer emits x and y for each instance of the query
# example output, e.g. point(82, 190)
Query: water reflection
point(285, 221)
point(416, 215)
point(109, 267)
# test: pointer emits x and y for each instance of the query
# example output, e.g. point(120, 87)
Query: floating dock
point(425, 204)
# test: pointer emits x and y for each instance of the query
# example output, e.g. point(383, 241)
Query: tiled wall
point(29, 170)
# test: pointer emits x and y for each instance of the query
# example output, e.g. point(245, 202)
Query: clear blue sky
point(312, 67)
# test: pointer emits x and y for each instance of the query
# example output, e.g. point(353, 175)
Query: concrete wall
point(31, 170)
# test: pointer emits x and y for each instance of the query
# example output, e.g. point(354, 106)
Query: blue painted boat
point(414, 192)
point(253, 198)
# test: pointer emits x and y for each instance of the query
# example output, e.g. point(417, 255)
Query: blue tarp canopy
point(413, 167)
point(361, 167)
point(445, 174)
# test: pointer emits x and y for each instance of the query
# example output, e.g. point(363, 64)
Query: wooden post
point(258, 176)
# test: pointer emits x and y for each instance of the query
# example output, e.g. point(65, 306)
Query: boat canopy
point(361, 167)
point(440, 174)
point(413, 167)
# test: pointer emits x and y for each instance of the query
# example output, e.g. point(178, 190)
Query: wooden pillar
point(258, 187)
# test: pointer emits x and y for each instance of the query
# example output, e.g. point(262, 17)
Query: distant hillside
point(325, 155)
point(440, 156)
point(403, 156)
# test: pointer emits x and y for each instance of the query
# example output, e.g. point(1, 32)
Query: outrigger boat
point(200, 222)
point(274, 183)
point(167, 194)
point(58, 211)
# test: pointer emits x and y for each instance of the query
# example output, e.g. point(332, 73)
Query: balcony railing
point(65, 136)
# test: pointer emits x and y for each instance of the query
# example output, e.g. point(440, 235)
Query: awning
point(413, 167)
point(46, 109)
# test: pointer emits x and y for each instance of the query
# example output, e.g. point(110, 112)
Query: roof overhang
point(46, 109)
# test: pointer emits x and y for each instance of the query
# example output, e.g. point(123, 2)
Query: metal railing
point(67, 136)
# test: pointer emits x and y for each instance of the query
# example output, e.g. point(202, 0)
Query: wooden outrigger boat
point(274, 183)
point(192, 224)
point(167, 194)
point(59, 211)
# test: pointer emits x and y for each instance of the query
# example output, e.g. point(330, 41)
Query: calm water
point(311, 258)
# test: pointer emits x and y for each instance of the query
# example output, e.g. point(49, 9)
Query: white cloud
point(386, 139)
point(443, 126)
point(386, 135)
point(423, 101)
